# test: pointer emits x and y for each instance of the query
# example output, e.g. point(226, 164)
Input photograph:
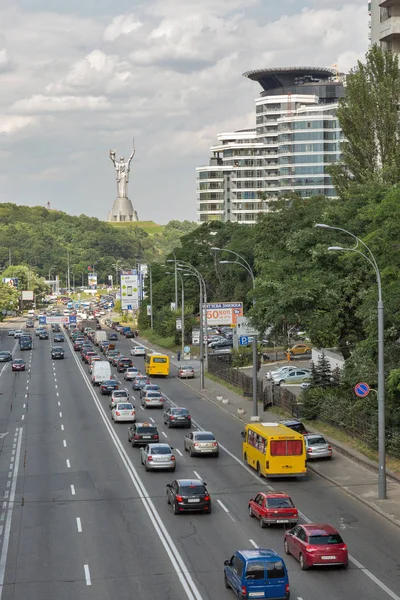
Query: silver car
point(123, 411)
point(317, 446)
point(130, 373)
point(153, 400)
point(158, 456)
point(285, 369)
point(118, 396)
point(201, 442)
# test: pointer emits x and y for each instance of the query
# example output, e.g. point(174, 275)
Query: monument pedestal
point(122, 211)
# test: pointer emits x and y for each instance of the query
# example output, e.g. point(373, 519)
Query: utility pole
point(9, 258)
point(68, 272)
point(151, 298)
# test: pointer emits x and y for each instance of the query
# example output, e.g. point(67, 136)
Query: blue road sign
point(42, 320)
point(361, 389)
point(129, 307)
point(244, 340)
point(72, 319)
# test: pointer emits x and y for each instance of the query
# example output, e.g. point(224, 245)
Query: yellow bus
point(274, 450)
point(157, 364)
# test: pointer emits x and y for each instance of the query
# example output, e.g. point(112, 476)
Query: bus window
point(286, 447)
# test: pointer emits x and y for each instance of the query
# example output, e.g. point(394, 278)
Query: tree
point(369, 118)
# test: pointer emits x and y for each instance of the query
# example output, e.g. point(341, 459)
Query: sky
point(79, 78)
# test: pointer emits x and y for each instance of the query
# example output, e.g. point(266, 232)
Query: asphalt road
point(88, 521)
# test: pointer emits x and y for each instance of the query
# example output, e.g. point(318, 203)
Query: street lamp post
point(381, 352)
point(242, 262)
point(151, 297)
point(182, 307)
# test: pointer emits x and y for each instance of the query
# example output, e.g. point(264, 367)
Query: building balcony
point(390, 29)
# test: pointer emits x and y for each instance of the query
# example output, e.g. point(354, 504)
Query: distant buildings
point(385, 24)
point(295, 138)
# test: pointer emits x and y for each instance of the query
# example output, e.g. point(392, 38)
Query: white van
point(101, 371)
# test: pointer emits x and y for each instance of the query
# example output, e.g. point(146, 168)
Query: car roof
point(187, 482)
point(146, 424)
point(209, 432)
point(126, 402)
point(258, 553)
point(275, 494)
point(314, 435)
point(291, 421)
point(161, 445)
point(319, 528)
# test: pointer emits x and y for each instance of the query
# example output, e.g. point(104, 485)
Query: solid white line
point(223, 506)
point(174, 555)
point(73, 490)
point(374, 579)
point(65, 443)
point(179, 452)
point(252, 542)
point(6, 494)
point(197, 475)
point(87, 575)
point(68, 463)
point(164, 434)
point(62, 427)
point(7, 528)
point(79, 524)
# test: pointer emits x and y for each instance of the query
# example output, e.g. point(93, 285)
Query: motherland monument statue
point(122, 209)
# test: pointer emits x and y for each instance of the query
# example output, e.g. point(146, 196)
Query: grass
point(164, 342)
point(227, 385)
point(148, 226)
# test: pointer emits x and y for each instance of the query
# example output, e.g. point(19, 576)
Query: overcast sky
point(83, 76)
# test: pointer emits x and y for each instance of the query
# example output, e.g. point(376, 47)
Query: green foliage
point(321, 374)
point(8, 299)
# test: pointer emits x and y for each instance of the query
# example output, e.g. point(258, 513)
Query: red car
point(316, 544)
point(272, 508)
point(18, 365)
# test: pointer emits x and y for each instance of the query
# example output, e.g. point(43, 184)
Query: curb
point(366, 503)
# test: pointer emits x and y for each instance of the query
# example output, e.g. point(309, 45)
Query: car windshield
point(125, 406)
point(192, 490)
point(18, 361)
point(120, 394)
point(160, 450)
point(316, 441)
point(132, 370)
point(187, 368)
point(204, 437)
point(109, 382)
point(179, 411)
point(141, 378)
point(153, 395)
point(145, 429)
point(322, 540)
point(151, 387)
point(57, 349)
point(279, 503)
point(4, 353)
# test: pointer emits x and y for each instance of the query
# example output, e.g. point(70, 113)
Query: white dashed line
point(73, 490)
point(252, 542)
point(57, 394)
point(141, 407)
point(87, 575)
point(59, 403)
point(8, 484)
point(62, 427)
point(2, 516)
point(24, 406)
point(164, 434)
point(65, 443)
point(179, 452)
point(23, 417)
point(197, 475)
point(61, 414)
point(6, 494)
point(222, 506)
point(56, 386)
point(79, 524)
point(12, 453)
point(68, 463)
point(26, 395)
point(4, 505)
point(152, 420)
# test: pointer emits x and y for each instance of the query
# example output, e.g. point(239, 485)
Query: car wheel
point(216, 455)
point(167, 498)
point(146, 467)
point(303, 565)
point(251, 512)
point(175, 508)
point(245, 456)
point(190, 452)
point(184, 447)
point(281, 381)
point(258, 469)
point(345, 565)
point(173, 469)
point(226, 583)
point(208, 511)
point(169, 424)
point(262, 523)
point(286, 547)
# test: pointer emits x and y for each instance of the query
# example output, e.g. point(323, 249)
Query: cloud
point(5, 62)
point(15, 123)
point(39, 103)
point(122, 25)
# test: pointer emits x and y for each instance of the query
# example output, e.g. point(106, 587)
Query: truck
point(101, 371)
point(100, 336)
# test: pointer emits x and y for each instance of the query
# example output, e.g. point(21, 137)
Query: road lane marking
point(26, 395)
point(57, 394)
point(197, 475)
point(174, 555)
point(24, 406)
point(23, 417)
point(73, 490)
point(7, 528)
point(223, 506)
point(56, 386)
point(252, 542)
point(62, 427)
point(79, 524)
point(61, 415)
point(87, 575)
point(59, 403)
point(152, 420)
point(6, 494)
point(378, 582)
point(164, 434)
point(68, 463)
point(178, 451)
point(65, 443)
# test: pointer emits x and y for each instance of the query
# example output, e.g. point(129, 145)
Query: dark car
point(18, 364)
point(25, 342)
point(88, 354)
point(30, 324)
point(108, 386)
point(141, 434)
point(188, 495)
point(59, 338)
point(296, 425)
point(123, 363)
point(140, 381)
point(177, 417)
point(56, 328)
point(111, 354)
point(129, 334)
point(112, 336)
point(43, 335)
point(78, 343)
point(5, 356)
point(115, 359)
point(57, 352)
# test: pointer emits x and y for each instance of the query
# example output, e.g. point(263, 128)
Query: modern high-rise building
point(385, 24)
point(295, 138)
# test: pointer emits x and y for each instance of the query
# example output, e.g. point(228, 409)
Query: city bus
point(157, 364)
point(274, 450)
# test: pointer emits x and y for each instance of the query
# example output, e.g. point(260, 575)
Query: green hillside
point(149, 227)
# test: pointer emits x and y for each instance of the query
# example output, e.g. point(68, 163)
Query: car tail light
point(287, 588)
point(172, 417)
point(179, 498)
point(172, 457)
point(215, 444)
point(196, 444)
point(136, 437)
point(149, 458)
point(156, 436)
point(189, 417)
point(243, 590)
point(330, 448)
point(132, 413)
point(206, 498)
point(118, 413)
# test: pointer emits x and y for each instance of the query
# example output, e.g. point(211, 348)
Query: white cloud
point(120, 26)
point(15, 123)
point(40, 103)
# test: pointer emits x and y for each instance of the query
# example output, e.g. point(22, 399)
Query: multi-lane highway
point(80, 517)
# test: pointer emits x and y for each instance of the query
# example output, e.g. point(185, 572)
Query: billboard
point(11, 281)
point(92, 280)
point(129, 291)
point(27, 295)
point(224, 313)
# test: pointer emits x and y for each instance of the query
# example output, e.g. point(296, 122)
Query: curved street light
point(381, 351)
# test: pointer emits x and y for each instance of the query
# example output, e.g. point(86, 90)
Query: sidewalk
point(349, 470)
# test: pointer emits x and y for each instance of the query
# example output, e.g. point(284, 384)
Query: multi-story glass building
point(385, 24)
point(295, 138)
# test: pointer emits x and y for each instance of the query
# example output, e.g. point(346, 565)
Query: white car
point(285, 369)
point(138, 351)
point(11, 332)
point(118, 396)
point(18, 333)
point(123, 411)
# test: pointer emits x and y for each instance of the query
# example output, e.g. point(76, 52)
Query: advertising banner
point(92, 280)
point(129, 291)
point(11, 281)
point(224, 313)
point(179, 324)
point(149, 310)
point(27, 295)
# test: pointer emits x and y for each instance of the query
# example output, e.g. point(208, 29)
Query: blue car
point(257, 573)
